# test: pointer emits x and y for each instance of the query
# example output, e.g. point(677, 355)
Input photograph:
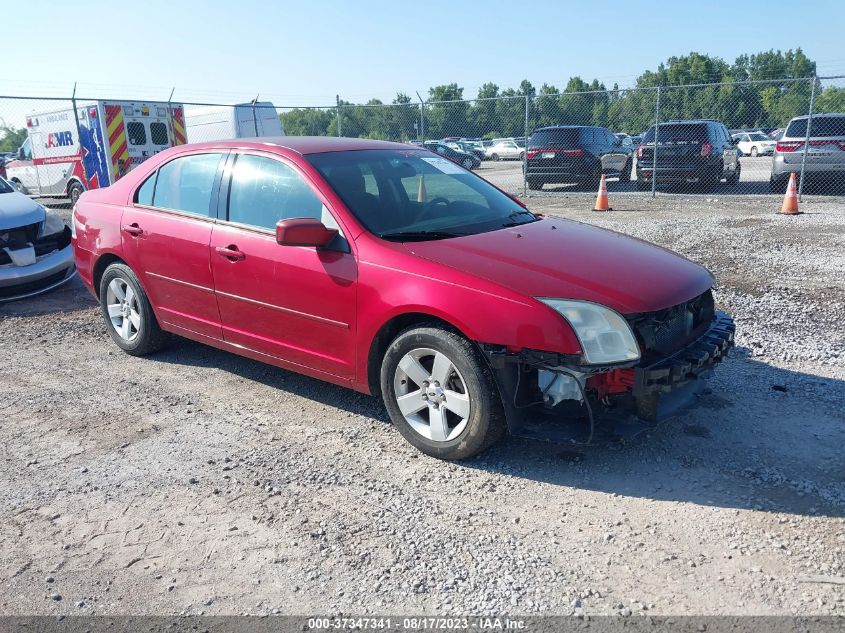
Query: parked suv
point(575, 154)
point(825, 154)
point(699, 152)
point(391, 270)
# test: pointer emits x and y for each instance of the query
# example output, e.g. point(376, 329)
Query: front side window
point(418, 196)
point(185, 184)
point(136, 133)
point(264, 190)
point(27, 149)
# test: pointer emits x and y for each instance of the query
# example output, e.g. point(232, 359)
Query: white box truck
point(66, 153)
point(243, 120)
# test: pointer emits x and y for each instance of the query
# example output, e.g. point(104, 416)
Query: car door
point(295, 303)
point(165, 234)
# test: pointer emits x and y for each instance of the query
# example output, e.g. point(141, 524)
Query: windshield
point(822, 126)
point(758, 136)
point(406, 195)
point(673, 133)
point(555, 137)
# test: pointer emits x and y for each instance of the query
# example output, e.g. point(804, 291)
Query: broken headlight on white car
point(604, 334)
point(52, 224)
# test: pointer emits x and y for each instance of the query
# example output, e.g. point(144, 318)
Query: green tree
point(831, 99)
point(447, 114)
point(11, 138)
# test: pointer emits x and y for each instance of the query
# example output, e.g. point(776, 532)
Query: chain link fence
point(735, 138)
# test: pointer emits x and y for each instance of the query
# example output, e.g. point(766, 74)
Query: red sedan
point(388, 269)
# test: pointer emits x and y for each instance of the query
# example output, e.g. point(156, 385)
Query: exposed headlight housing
point(604, 334)
point(52, 223)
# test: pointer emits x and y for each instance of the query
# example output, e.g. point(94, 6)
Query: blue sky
point(305, 52)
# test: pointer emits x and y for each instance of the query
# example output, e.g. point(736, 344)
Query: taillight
point(532, 153)
point(788, 146)
point(705, 149)
point(573, 153)
point(639, 151)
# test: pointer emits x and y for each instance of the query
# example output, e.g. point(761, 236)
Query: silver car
point(35, 250)
point(825, 161)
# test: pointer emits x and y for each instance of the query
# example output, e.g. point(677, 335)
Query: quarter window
point(136, 133)
point(144, 194)
point(185, 184)
point(264, 191)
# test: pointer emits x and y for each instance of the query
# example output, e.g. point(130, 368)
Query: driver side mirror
point(20, 154)
point(303, 232)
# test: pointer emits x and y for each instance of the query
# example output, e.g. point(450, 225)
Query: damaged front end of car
point(35, 258)
point(573, 399)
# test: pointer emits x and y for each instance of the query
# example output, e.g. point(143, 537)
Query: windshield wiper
point(419, 236)
point(515, 215)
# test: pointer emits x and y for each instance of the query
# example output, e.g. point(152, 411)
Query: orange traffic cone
point(790, 200)
point(421, 192)
point(601, 198)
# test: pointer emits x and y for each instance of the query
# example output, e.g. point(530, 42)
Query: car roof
point(304, 144)
point(565, 127)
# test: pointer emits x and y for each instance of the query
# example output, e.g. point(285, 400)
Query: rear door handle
point(230, 252)
point(132, 229)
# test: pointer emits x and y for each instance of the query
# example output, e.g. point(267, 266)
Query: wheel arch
point(388, 331)
point(103, 262)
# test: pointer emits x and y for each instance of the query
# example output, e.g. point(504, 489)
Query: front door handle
point(231, 252)
point(132, 229)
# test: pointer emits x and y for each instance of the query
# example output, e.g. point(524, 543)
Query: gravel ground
point(198, 482)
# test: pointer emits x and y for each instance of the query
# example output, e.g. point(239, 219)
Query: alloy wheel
point(432, 395)
point(123, 308)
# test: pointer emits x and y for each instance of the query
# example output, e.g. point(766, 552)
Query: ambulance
point(67, 152)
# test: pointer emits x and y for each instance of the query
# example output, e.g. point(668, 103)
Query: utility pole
point(422, 117)
point(337, 101)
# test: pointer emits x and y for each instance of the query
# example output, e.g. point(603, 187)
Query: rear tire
point(734, 178)
point(534, 184)
point(778, 184)
point(495, 157)
point(642, 185)
point(127, 312)
point(440, 393)
point(74, 191)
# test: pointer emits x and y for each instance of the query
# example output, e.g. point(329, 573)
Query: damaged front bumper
point(613, 402)
point(45, 273)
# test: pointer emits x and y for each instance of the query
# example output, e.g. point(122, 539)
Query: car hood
point(16, 210)
point(570, 260)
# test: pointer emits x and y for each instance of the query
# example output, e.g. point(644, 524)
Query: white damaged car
point(35, 250)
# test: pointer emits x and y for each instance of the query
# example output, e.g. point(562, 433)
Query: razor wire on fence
point(738, 137)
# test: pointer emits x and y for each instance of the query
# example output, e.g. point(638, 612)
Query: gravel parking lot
point(198, 482)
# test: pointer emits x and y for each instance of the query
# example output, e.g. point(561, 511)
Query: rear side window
point(678, 133)
point(136, 133)
point(158, 133)
point(265, 190)
point(561, 137)
point(822, 126)
point(185, 184)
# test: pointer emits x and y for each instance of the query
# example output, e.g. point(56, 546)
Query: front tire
point(468, 163)
point(127, 312)
point(495, 157)
point(440, 393)
point(734, 178)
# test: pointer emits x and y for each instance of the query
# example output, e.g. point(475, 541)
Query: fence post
point(254, 119)
point(337, 109)
point(806, 140)
point(78, 135)
point(525, 151)
point(422, 118)
point(654, 154)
